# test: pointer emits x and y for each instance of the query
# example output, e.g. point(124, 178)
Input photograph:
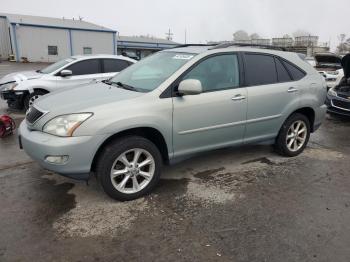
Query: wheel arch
point(309, 112)
point(154, 135)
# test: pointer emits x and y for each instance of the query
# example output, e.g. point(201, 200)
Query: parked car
point(311, 60)
point(328, 65)
point(172, 104)
point(338, 97)
point(22, 88)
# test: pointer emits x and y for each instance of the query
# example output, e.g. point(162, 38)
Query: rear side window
point(282, 73)
point(114, 65)
point(295, 72)
point(260, 69)
point(86, 67)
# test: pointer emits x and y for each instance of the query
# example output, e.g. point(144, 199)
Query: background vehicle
point(311, 61)
point(174, 103)
point(328, 64)
point(338, 97)
point(22, 88)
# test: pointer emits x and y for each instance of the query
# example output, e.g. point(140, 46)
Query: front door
point(83, 72)
point(216, 117)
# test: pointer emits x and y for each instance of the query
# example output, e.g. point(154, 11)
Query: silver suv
point(175, 103)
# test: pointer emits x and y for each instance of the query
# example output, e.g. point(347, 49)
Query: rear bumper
point(320, 115)
point(80, 151)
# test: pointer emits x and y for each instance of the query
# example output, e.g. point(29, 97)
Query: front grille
point(346, 96)
point(341, 104)
point(33, 115)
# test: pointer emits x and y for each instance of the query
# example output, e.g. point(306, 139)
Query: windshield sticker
point(183, 57)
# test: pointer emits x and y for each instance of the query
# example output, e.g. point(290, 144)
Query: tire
point(30, 98)
point(111, 160)
point(288, 128)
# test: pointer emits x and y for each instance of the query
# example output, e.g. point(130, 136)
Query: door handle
point(292, 90)
point(238, 97)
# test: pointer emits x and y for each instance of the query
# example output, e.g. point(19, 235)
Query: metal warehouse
point(45, 39)
point(139, 47)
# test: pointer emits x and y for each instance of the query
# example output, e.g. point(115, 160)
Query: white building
point(48, 39)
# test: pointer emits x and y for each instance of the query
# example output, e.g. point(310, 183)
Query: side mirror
point(190, 87)
point(64, 73)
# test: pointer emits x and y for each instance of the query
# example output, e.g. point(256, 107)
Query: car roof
point(83, 57)
point(209, 48)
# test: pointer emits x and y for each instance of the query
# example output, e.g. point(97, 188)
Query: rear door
point(111, 66)
point(272, 93)
point(83, 72)
point(216, 117)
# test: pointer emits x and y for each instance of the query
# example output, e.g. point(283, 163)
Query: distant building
point(138, 47)
point(308, 40)
point(261, 41)
point(283, 41)
point(46, 39)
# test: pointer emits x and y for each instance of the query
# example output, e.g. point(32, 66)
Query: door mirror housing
point(65, 72)
point(190, 87)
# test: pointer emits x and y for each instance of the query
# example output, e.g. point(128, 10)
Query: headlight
point(331, 92)
point(9, 86)
point(65, 125)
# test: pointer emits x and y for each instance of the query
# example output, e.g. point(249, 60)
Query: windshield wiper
point(107, 82)
point(127, 87)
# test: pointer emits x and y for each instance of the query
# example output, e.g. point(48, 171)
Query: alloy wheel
point(32, 99)
point(296, 135)
point(132, 170)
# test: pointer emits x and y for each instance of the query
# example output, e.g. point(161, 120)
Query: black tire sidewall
point(112, 151)
point(281, 144)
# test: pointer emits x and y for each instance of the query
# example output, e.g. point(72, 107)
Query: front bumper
point(80, 150)
point(343, 109)
point(14, 98)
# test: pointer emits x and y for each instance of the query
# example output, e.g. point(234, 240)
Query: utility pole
point(169, 35)
point(185, 36)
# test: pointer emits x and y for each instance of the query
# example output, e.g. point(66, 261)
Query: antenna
point(169, 35)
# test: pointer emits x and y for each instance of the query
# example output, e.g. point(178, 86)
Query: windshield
point(149, 73)
point(55, 66)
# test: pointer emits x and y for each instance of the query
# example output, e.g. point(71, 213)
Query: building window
point(52, 50)
point(87, 50)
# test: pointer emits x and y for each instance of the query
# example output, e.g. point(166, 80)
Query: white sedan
point(21, 89)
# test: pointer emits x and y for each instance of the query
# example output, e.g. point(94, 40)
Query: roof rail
point(225, 45)
point(187, 45)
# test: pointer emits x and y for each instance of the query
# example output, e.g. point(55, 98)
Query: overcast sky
point(206, 20)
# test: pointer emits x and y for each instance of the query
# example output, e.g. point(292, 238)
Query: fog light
point(57, 160)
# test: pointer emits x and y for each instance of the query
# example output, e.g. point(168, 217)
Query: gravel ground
point(246, 204)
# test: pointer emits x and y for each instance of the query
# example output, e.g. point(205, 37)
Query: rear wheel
point(129, 168)
point(293, 136)
point(30, 98)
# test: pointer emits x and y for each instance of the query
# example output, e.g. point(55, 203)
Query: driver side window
point(216, 73)
point(85, 67)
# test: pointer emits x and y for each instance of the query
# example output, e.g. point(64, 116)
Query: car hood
point(83, 98)
point(345, 63)
point(20, 76)
point(328, 60)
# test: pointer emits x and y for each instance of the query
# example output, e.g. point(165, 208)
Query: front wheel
point(293, 136)
point(129, 168)
point(30, 98)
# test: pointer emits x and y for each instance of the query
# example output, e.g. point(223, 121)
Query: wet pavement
point(236, 204)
